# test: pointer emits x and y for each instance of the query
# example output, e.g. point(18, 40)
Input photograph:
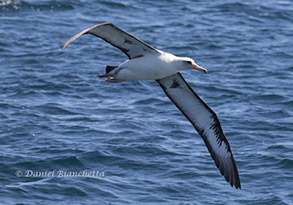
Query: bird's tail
point(109, 68)
point(109, 76)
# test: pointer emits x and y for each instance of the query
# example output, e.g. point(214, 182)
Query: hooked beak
point(197, 67)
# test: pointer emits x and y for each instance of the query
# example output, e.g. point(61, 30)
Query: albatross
point(148, 63)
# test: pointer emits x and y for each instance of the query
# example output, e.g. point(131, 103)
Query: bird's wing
point(129, 44)
point(206, 123)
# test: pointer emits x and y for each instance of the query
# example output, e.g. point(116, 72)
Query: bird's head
point(188, 63)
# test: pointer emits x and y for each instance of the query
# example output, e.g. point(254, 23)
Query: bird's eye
point(188, 62)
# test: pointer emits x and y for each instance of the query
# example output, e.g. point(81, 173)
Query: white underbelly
point(144, 68)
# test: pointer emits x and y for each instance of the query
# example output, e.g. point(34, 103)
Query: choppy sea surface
point(127, 141)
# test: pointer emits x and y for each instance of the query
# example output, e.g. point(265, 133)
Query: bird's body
point(148, 63)
point(148, 67)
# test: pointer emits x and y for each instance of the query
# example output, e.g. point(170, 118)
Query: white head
point(187, 63)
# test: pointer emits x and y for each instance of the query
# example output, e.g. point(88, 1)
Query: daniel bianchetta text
point(59, 173)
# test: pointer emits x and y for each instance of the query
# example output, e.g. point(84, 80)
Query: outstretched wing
point(206, 123)
point(129, 44)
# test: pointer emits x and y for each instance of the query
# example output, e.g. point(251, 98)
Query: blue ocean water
point(127, 141)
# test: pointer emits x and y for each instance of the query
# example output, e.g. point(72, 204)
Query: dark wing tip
point(224, 162)
point(228, 169)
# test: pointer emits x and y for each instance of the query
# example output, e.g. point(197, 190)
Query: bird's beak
point(197, 67)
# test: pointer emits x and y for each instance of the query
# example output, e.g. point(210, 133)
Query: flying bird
point(148, 63)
